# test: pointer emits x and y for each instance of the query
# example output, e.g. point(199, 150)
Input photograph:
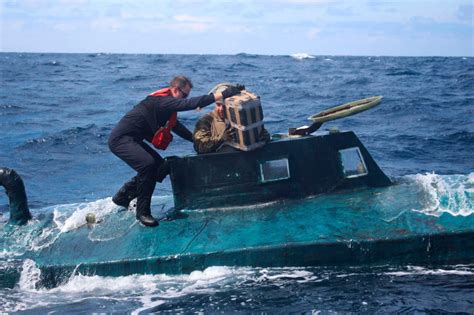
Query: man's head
point(220, 109)
point(180, 87)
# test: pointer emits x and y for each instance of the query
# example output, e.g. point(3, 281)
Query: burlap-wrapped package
point(244, 112)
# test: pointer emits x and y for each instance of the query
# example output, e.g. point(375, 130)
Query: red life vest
point(163, 137)
point(162, 92)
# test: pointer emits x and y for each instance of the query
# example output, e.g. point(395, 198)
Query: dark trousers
point(143, 159)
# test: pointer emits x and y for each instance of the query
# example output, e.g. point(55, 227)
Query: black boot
point(147, 220)
point(127, 193)
point(144, 214)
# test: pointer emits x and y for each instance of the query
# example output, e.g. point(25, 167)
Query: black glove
point(232, 90)
point(229, 135)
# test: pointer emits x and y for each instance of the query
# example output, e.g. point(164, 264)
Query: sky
point(278, 27)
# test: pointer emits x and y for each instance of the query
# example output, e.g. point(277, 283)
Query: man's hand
point(229, 135)
point(232, 90)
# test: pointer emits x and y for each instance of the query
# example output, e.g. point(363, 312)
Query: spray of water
point(452, 194)
point(147, 292)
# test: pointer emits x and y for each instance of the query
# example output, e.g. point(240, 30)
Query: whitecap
point(453, 194)
point(100, 208)
point(29, 276)
point(301, 56)
point(418, 270)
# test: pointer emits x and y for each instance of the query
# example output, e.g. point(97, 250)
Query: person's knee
point(148, 167)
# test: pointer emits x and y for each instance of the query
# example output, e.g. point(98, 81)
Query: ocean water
point(57, 110)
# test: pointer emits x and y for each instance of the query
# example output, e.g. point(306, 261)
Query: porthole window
point(274, 170)
point(353, 164)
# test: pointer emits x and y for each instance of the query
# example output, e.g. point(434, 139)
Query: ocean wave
point(246, 55)
point(466, 80)
point(155, 60)
point(97, 55)
point(151, 291)
point(71, 136)
point(453, 194)
point(50, 223)
point(224, 288)
point(461, 137)
point(240, 66)
point(358, 81)
point(132, 79)
point(8, 109)
point(459, 270)
point(52, 63)
point(302, 56)
point(402, 72)
point(148, 291)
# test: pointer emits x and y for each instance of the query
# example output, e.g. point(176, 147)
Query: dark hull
point(234, 179)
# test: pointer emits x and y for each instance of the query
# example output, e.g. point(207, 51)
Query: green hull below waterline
point(327, 230)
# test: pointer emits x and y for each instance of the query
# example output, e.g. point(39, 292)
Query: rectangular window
point(353, 164)
point(274, 170)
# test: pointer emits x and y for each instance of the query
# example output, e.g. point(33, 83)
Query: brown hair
point(181, 81)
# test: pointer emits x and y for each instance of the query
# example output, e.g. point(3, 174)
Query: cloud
point(141, 16)
point(237, 29)
point(192, 19)
point(308, 1)
point(192, 25)
point(313, 32)
point(189, 23)
point(198, 27)
point(106, 24)
point(69, 2)
point(64, 27)
point(466, 12)
point(345, 12)
point(12, 25)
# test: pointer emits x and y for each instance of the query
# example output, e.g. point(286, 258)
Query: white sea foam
point(148, 290)
point(58, 219)
point(147, 304)
point(301, 56)
point(418, 270)
point(29, 276)
point(68, 217)
point(452, 194)
point(284, 274)
point(100, 208)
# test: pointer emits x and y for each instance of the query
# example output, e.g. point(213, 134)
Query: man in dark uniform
point(127, 140)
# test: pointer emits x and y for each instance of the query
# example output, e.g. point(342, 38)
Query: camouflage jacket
point(208, 135)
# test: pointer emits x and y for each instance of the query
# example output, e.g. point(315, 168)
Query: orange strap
point(162, 92)
point(173, 118)
point(172, 121)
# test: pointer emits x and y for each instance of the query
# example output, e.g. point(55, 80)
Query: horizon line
point(235, 54)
